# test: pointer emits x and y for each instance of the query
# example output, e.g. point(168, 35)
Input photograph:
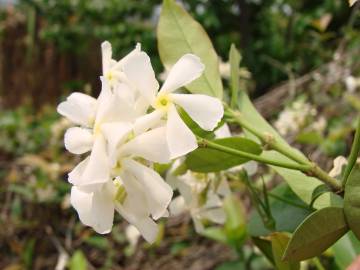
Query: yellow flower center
point(109, 76)
point(162, 102)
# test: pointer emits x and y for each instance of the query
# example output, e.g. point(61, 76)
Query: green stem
point(355, 148)
point(293, 166)
point(269, 140)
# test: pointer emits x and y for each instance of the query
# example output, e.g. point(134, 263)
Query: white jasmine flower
point(201, 195)
point(352, 83)
point(339, 163)
point(132, 235)
point(206, 111)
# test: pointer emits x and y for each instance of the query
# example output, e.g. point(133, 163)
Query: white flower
point(105, 122)
point(138, 193)
point(339, 163)
point(132, 235)
point(201, 195)
point(204, 110)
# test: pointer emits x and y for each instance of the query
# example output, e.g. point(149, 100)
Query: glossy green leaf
point(317, 233)
point(195, 128)
point(317, 192)
point(178, 33)
point(78, 261)
point(210, 160)
point(215, 233)
point(287, 214)
point(265, 247)
point(234, 58)
point(346, 250)
point(352, 201)
point(279, 243)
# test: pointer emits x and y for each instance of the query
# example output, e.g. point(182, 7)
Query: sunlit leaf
point(210, 160)
point(178, 33)
point(279, 242)
point(317, 233)
point(265, 247)
point(352, 201)
point(346, 250)
point(78, 261)
point(234, 58)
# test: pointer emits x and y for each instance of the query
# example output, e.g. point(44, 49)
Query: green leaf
point(265, 247)
point(352, 200)
point(317, 233)
point(97, 241)
point(287, 214)
point(195, 128)
point(178, 33)
point(233, 265)
point(317, 192)
point(78, 261)
point(310, 137)
point(215, 233)
point(235, 58)
point(279, 242)
point(302, 184)
point(346, 250)
point(211, 160)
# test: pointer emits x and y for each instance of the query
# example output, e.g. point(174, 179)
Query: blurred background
point(300, 62)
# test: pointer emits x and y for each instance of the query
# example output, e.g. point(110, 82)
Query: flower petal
point(115, 133)
point(180, 138)
point(148, 121)
point(223, 132)
point(94, 209)
point(79, 108)
point(185, 70)
point(177, 206)
point(78, 140)
point(97, 170)
point(150, 145)
point(140, 73)
point(106, 52)
point(158, 192)
point(112, 107)
point(75, 176)
point(206, 111)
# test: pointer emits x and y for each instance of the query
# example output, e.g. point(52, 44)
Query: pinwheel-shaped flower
point(206, 111)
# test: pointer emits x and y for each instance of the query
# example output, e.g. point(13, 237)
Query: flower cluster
point(129, 127)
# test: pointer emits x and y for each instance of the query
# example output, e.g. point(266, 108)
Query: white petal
point(97, 170)
point(180, 138)
point(158, 192)
point(75, 176)
point(78, 140)
point(184, 71)
point(113, 108)
point(115, 134)
point(150, 145)
point(206, 111)
point(223, 132)
point(82, 202)
point(148, 121)
point(106, 52)
point(216, 215)
point(94, 209)
point(78, 108)
point(199, 226)
point(140, 73)
point(132, 235)
point(177, 206)
point(102, 211)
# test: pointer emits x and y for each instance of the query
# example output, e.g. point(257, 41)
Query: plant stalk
point(355, 148)
point(293, 166)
